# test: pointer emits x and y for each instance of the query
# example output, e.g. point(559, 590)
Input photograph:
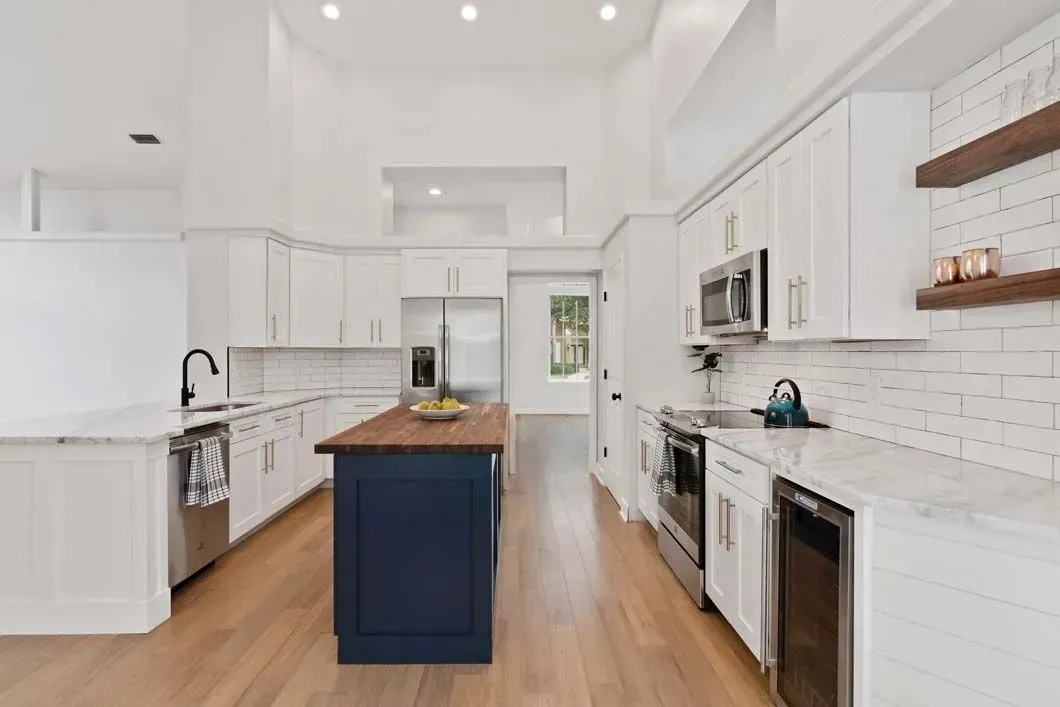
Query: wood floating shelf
point(1033, 136)
point(1010, 289)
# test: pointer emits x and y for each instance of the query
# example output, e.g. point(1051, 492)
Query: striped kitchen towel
point(663, 469)
point(205, 482)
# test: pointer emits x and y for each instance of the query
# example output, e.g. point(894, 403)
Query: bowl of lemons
point(445, 409)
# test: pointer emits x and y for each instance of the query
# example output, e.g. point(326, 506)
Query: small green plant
point(709, 362)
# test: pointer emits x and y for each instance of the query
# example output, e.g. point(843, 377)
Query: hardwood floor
point(587, 614)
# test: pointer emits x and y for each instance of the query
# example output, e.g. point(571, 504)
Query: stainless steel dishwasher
point(197, 535)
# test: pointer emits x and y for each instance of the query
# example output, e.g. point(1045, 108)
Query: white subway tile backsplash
point(946, 112)
point(869, 428)
point(1046, 390)
point(967, 122)
point(966, 79)
point(965, 427)
point(1011, 458)
point(1033, 438)
point(929, 361)
point(1039, 238)
point(965, 340)
point(919, 400)
point(1007, 316)
point(964, 383)
point(1044, 338)
point(1004, 410)
point(1033, 189)
point(946, 320)
point(272, 370)
point(907, 380)
point(1033, 363)
point(968, 209)
point(1002, 222)
point(1027, 262)
point(1007, 177)
point(1031, 41)
point(929, 441)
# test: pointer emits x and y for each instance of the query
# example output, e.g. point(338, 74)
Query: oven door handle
point(683, 446)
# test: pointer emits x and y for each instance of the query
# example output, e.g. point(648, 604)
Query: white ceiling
point(77, 76)
point(508, 33)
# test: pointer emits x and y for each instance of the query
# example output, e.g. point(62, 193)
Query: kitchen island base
point(416, 538)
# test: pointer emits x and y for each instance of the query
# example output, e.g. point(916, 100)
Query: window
point(569, 333)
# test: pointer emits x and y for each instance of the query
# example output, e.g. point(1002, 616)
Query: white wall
point(473, 118)
point(439, 221)
point(90, 325)
point(627, 134)
point(985, 386)
point(530, 316)
point(124, 210)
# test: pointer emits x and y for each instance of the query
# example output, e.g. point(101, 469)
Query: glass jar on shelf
point(1052, 86)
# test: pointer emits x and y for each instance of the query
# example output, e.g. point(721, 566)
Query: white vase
point(708, 397)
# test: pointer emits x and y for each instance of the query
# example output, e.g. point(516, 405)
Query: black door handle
point(616, 396)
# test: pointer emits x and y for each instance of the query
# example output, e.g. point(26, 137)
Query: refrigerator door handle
point(448, 345)
point(441, 361)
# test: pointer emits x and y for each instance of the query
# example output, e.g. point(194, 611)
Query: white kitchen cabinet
point(690, 240)
point(373, 301)
point(480, 273)
point(737, 220)
point(648, 500)
point(246, 482)
point(719, 561)
point(454, 273)
point(280, 469)
point(746, 526)
point(714, 236)
point(309, 469)
point(317, 297)
point(344, 413)
point(259, 292)
point(848, 232)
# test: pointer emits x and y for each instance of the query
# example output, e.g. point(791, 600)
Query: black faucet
point(187, 394)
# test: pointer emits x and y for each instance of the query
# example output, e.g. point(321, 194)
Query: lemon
point(424, 405)
point(435, 405)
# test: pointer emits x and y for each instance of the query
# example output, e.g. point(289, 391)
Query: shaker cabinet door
point(317, 299)
point(246, 474)
point(748, 533)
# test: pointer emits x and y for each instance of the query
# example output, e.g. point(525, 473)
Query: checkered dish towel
point(663, 469)
point(205, 483)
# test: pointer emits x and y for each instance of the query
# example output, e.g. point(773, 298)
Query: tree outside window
point(569, 335)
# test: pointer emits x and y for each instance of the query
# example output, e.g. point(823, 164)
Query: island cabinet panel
point(415, 556)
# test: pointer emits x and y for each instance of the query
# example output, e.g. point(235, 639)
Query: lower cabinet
point(345, 413)
point(309, 469)
point(647, 500)
point(246, 482)
point(280, 470)
point(734, 560)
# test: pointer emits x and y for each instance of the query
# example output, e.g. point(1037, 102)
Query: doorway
point(611, 419)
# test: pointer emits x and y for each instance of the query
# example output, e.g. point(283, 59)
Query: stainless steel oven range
point(811, 603)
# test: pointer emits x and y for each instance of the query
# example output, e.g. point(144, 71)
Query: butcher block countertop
point(481, 430)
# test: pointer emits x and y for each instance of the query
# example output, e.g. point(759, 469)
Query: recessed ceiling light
point(608, 11)
point(469, 12)
point(434, 191)
point(330, 10)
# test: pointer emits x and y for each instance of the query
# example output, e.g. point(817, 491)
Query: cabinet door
point(427, 273)
point(361, 301)
point(310, 466)
point(388, 302)
point(720, 563)
point(480, 273)
point(715, 240)
point(750, 219)
point(687, 278)
point(747, 526)
point(787, 237)
point(279, 479)
point(824, 295)
point(246, 475)
point(317, 299)
point(249, 323)
point(648, 500)
point(278, 294)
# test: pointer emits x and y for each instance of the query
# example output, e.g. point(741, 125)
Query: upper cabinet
point(454, 273)
point(737, 220)
point(259, 292)
point(317, 282)
point(690, 235)
point(373, 301)
point(848, 230)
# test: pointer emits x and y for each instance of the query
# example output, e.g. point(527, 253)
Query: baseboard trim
point(81, 618)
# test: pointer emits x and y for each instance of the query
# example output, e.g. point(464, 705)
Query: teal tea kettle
point(783, 411)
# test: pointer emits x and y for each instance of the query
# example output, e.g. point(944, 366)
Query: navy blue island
point(417, 524)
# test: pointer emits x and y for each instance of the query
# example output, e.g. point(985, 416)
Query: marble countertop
point(697, 407)
point(148, 422)
point(859, 471)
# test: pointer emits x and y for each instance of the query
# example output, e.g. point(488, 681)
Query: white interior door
point(614, 338)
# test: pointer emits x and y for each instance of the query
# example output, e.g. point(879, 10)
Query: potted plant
point(709, 366)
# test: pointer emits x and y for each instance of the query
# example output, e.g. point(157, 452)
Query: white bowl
point(440, 414)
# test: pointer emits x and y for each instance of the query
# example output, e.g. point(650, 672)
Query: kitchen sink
point(217, 407)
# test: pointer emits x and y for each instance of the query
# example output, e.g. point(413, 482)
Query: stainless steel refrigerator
point(452, 348)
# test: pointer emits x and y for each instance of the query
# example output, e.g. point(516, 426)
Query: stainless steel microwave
point(733, 296)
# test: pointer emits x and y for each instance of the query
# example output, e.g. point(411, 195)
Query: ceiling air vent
point(145, 139)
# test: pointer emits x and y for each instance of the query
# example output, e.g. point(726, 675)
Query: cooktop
point(690, 422)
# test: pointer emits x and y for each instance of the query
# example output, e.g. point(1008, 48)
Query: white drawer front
point(744, 473)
